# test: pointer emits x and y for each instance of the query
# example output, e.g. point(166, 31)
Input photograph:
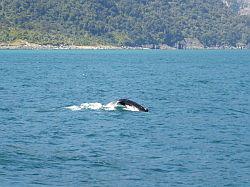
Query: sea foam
point(99, 106)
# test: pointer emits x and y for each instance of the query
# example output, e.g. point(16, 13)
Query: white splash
point(73, 108)
point(92, 106)
point(131, 108)
point(98, 106)
point(111, 106)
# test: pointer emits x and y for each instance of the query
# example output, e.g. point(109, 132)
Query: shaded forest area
point(122, 22)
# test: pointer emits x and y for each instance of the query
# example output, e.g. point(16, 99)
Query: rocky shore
point(26, 45)
point(185, 44)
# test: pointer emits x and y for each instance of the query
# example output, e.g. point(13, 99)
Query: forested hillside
point(122, 22)
point(242, 7)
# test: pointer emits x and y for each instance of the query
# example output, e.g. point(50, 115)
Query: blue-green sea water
point(56, 131)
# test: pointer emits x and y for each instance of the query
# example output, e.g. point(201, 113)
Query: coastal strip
point(185, 44)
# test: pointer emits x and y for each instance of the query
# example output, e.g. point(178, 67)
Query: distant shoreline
point(113, 48)
point(65, 47)
point(30, 46)
point(106, 48)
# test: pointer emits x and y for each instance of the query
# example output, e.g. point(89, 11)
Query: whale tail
point(129, 103)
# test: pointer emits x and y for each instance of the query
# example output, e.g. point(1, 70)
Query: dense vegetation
point(122, 22)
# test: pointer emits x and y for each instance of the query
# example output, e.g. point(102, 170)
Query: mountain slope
point(242, 7)
point(122, 22)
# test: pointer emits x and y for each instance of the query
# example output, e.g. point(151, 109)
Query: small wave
point(98, 106)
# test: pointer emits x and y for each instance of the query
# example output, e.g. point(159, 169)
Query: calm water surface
point(197, 132)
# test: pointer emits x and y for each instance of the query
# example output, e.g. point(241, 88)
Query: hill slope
point(122, 22)
point(242, 7)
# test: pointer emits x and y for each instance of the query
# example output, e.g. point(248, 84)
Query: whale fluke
point(127, 102)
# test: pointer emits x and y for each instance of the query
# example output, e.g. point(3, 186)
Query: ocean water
point(59, 125)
